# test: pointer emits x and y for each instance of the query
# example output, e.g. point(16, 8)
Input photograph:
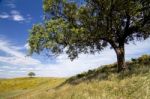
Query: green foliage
point(145, 59)
point(31, 74)
point(73, 27)
point(134, 60)
point(90, 26)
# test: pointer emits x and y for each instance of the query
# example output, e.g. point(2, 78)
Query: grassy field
point(101, 83)
point(21, 87)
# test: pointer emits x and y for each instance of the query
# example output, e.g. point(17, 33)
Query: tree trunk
point(120, 52)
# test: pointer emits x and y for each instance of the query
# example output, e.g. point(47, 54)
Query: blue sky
point(16, 18)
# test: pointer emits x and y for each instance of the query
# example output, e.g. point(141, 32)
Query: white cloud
point(63, 66)
point(1, 70)
point(27, 47)
point(4, 16)
point(6, 47)
point(10, 3)
point(16, 16)
point(20, 61)
point(16, 57)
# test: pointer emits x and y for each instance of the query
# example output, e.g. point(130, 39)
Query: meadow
point(18, 87)
point(101, 83)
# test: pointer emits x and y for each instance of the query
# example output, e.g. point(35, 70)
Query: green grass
point(100, 83)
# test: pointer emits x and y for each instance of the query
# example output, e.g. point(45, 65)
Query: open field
point(10, 88)
point(101, 83)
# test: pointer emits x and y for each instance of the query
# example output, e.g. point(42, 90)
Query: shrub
point(144, 59)
point(80, 75)
point(134, 60)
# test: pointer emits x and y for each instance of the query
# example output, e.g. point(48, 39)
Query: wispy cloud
point(15, 57)
point(63, 66)
point(4, 15)
point(10, 3)
point(15, 15)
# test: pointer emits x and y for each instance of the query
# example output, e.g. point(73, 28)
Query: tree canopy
point(88, 26)
point(31, 74)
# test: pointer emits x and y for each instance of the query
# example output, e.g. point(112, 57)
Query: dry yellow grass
point(18, 87)
point(101, 83)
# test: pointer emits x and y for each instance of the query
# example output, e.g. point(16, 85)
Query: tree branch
point(126, 31)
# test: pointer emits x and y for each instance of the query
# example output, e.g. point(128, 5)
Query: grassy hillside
point(101, 83)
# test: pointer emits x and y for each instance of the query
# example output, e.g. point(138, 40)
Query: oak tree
point(88, 26)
